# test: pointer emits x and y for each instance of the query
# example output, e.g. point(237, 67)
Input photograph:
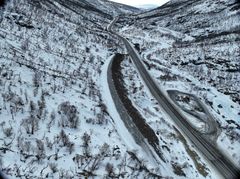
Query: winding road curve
point(204, 145)
point(149, 146)
point(211, 128)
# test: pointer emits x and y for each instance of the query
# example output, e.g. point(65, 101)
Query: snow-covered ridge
point(147, 6)
point(195, 17)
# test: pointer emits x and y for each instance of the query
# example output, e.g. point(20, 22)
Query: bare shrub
point(53, 167)
point(110, 170)
point(30, 124)
point(49, 143)
point(52, 120)
point(40, 149)
point(37, 79)
point(86, 141)
point(64, 138)
point(69, 116)
point(8, 131)
point(105, 150)
point(41, 105)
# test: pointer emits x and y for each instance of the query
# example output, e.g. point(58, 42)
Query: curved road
point(211, 126)
point(213, 154)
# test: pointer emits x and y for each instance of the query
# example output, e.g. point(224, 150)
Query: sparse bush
point(70, 147)
point(66, 142)
point(41, 105)
point(53, 167)
point(25, 148)
point(110, 170)
point(30, 124)
point(8, 131)
point(69, 116)
point(101, 118)
point(105, 150)
point(86, 141)
point(52, 120)
point(40, 149)
point(49, 143)
point(32, 108)
point(37, 79)
point(78, 159)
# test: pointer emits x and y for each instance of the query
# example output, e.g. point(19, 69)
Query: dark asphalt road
point(204, 145)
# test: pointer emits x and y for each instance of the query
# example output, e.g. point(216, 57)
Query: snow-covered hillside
point(147, 6)
point(54, 110)
point(113, 8)
point(191, 46)
point(57, 117)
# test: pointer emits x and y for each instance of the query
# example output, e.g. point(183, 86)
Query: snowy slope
point(196, 18)
point(55, 116)
point(88, 11)
point(147, 6)
point(113, 7)
point(192, 46)
point(214, 26)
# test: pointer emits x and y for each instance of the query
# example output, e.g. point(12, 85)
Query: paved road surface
point(213, 154)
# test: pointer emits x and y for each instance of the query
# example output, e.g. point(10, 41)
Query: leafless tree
point(8, 131)
point(40, 149)
point(30, 124)
point(52, 120)
point(53, 167)
point(69, 115)
point(109, 169)
point(41, 105)
point(86, 141)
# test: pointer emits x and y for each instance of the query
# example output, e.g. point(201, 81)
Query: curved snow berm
point(140, 130)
